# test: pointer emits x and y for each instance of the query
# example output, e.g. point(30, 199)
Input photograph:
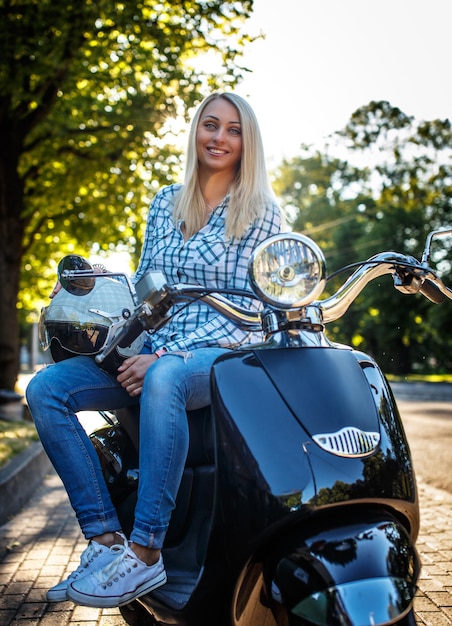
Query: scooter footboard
point(358, 572)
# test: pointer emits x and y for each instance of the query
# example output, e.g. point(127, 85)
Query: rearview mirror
point(76, 275)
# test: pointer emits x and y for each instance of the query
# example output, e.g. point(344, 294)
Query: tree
point(326, 196)
point(86, 92)
point(393, 188)
point(413, 195)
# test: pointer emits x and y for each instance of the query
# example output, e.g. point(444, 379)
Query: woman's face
point(219, 137)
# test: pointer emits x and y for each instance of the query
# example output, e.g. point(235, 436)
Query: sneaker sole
point(110, 602)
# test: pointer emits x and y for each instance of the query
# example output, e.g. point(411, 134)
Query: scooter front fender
point(359, 573)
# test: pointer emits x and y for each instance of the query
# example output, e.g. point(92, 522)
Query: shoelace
point(91, 552)
point(87, 556)
point(120, 566)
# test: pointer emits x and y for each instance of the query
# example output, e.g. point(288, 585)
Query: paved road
point(428, 426)
point(435, 392)
point(426, 410)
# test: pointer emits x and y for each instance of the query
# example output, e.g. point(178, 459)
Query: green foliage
point(96, 84)
point(87, 94)
point(321, 193)
point(391, 188)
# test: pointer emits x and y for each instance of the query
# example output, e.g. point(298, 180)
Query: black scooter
point(298, 503)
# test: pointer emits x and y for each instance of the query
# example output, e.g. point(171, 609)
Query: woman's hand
point(56, 289)
point(132, 372)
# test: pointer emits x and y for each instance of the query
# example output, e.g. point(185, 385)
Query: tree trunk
point(9, 325)
point(11, 247)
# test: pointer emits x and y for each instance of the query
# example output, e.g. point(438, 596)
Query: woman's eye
point(234, 131)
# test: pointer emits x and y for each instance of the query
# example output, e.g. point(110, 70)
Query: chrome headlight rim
point(298, 298)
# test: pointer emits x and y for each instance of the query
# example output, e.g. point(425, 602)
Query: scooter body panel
point(261, 404)
point(277, 479)
point(269, 479)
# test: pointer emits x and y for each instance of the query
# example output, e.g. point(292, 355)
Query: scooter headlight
point(287, 271)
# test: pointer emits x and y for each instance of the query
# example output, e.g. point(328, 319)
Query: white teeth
point(216, 151)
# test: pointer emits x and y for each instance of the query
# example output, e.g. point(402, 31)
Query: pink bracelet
point(160, 352)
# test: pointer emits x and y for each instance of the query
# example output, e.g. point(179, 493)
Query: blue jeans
point(172, 384)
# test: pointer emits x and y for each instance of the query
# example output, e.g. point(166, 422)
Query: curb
point(426, 391)
point(20, 478)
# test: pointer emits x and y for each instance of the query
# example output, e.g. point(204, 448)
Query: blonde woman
point(201, 231)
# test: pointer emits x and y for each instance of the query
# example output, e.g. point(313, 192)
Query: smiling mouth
point(216, 151)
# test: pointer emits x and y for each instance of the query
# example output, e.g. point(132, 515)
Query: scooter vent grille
point(348, 442)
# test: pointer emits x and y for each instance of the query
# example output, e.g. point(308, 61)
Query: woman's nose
point(219, 134)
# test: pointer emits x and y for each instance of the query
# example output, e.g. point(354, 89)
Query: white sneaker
point(119, 582)
point(94, 557)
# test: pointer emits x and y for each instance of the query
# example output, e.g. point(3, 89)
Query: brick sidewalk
point(39, 547)
point(433, 604)
point(43, 543)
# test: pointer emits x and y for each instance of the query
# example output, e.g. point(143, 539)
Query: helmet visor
point(87, 339)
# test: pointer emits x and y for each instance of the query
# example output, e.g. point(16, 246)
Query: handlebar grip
point(431, 291)
point(130, 332)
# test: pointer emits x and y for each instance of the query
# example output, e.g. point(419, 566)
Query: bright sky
point(323, 59)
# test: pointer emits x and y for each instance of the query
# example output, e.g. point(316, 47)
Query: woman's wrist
point(160, 352)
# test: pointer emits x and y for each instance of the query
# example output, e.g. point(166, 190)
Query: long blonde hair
point(250, 193)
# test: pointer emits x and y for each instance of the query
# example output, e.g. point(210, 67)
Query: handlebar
point(409, 275)
point(334, 307)
point(432, 292)
point(145, 318)
point(234, 312)
point(384, 263)
point(413, 278)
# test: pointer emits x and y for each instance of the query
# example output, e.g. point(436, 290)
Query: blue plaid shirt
point(205, 259)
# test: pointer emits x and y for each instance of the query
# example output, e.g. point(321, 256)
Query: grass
point(418, 378)
point(15, 437)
